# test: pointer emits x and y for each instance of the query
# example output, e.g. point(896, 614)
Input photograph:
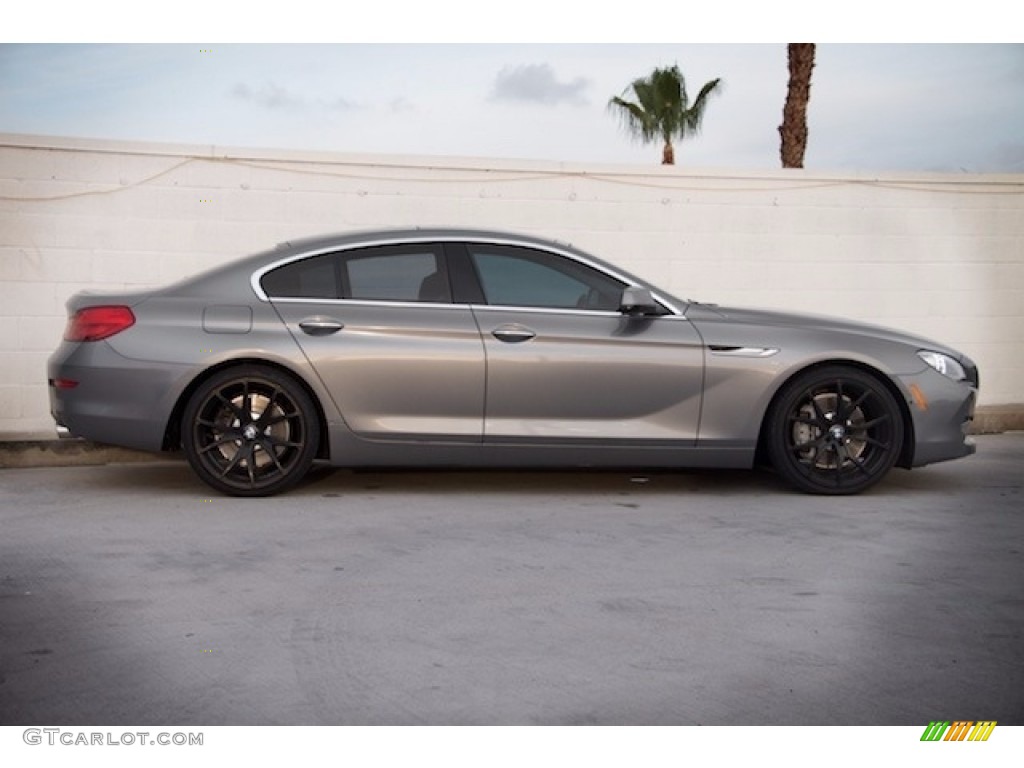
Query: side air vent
point(737, 351)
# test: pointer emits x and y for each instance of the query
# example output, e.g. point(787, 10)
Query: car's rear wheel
point(250, 431)
point(834, 430)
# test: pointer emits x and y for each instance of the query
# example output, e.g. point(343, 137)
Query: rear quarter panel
point(184, 337)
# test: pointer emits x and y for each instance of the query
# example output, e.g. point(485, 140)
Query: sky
point(956, 107)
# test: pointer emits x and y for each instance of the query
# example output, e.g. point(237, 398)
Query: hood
point(699, 313)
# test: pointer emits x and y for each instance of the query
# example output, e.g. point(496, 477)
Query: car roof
point(302, 244)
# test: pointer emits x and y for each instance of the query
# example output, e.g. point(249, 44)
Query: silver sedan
point(463, 348)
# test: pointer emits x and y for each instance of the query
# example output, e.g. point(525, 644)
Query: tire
point(250, 431)
point(834, 430)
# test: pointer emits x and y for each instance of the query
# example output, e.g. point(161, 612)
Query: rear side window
point(406, 275)
point(314, 278)
point(413, 273)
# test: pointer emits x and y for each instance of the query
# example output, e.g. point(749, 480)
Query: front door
point(564, 364)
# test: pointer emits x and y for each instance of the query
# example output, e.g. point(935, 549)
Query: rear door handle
point(512, 334)
point(320, 326)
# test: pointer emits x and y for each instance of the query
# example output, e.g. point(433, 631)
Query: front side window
point(523, 277)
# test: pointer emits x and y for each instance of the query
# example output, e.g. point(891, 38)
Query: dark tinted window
point(382, 273)
point(522, 277)
point(396, 274)
point(313, 278)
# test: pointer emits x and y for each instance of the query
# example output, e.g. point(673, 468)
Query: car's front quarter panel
point(748, 363)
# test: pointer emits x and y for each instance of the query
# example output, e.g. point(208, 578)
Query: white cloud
point(271, 96)
point(537, 83)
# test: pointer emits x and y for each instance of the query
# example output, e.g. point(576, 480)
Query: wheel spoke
point(238, 413)
point(273, 457)
point(263, 425)
point(838, 476)
point(277, 442)
point(820, 414)
point(877, 420)
point(233, 463)
point(877, 443)
point(859, 464)
point(218, 442)
point(856, 403)
point(247, 402)
point(263, 421)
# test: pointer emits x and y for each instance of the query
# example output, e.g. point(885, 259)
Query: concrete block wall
point(939, 255)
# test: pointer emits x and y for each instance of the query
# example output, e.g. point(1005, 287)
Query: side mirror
point(637, 301)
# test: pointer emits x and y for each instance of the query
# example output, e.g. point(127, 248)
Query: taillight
point(95, 323)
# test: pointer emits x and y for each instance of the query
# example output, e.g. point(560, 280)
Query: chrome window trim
point(257, 275)
point(369, 302)
point(456, 305)
point(570, 311)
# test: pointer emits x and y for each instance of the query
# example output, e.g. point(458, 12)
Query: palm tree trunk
point(668, 154)
point(794, 114)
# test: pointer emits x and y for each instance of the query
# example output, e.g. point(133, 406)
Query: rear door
point(379, 327)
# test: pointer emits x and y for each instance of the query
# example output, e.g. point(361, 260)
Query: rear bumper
point(114, 400)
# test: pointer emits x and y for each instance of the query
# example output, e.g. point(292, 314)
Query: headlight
point(944, 364)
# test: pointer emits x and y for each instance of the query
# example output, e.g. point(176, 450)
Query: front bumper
point(942, 411)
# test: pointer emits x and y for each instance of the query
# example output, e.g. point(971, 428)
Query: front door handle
point(512, 334)
point(320, 326)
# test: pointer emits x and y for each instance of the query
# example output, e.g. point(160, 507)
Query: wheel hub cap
point(249, 432)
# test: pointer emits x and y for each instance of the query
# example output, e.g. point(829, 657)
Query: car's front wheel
point(834, 430)
point(250, 431)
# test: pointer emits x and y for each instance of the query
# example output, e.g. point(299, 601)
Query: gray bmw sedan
point(463, 348)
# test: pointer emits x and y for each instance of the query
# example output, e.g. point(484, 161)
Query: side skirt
point(349, 450)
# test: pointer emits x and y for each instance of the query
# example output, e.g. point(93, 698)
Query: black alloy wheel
point(250, 431)
point(834, 430)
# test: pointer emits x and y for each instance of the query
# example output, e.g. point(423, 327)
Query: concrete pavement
point(130, 595)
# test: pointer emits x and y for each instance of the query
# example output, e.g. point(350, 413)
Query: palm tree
point(662, 108)
point(794, 114)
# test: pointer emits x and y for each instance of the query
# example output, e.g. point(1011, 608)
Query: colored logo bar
point(959, 730)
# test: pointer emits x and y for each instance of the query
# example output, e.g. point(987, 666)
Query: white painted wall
point(939, 255)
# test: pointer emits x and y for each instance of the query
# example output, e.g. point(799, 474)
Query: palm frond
point(660, 107)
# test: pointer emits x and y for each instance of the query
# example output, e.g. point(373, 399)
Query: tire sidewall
point(788, 400)
point(294, 390)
